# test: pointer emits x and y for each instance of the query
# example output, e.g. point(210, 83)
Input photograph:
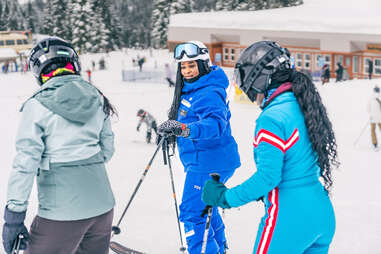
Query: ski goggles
point(189, 49)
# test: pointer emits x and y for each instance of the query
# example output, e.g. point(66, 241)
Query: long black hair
point(108, 108)
point(172, 114)
point(316, 119)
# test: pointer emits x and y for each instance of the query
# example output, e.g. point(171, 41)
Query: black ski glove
point(173, 127)
point(13, 226)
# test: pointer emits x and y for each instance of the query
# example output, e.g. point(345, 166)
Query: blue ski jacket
point(282, 152)
point(210, 147)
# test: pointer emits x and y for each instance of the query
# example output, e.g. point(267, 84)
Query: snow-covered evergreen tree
point(31, 17)
point(11, 15)
point(160, 20)
point(81, 23)
point(181, 6)
point(99, 34)
point(48, 21)
point(60, 26)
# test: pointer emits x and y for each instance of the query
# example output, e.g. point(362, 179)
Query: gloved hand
point(13, 226)
point(213, 194)
point(138, 128)
point(173, 127)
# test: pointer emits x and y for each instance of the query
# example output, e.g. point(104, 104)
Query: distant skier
point(149, 120)
point(374, 110)
point(294, 145)
point(64, 140)
point(169, 75)
point(326, 74)
point(339, 72)
point(200, 118)
point(370, 69)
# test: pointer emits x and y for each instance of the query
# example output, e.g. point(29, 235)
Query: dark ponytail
point(318, 125)
point(172, 115)
point(108, 108)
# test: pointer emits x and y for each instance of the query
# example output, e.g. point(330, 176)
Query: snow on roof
point(331, 16)
point(6, 53)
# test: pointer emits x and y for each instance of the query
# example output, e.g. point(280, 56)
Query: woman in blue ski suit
point(293, 145)
point(64, 140)
point(200, 116)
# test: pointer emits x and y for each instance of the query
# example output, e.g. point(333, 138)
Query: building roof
point(7, 54)
point(330, 16)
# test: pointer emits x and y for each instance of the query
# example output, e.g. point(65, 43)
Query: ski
point(120, 249)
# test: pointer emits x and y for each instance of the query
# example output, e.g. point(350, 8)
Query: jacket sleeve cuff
point(11, 217)
point(193, 131)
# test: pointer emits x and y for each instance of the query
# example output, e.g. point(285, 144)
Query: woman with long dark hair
point(199, 117)
point(294, 146)
point(64, 140)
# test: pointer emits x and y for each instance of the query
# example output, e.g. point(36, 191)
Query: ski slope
point(150, 223)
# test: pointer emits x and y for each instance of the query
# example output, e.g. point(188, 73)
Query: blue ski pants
point(190, 214)
point(299, 219)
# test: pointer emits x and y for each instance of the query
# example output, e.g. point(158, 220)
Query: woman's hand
point(173, 127)
point(213, 194)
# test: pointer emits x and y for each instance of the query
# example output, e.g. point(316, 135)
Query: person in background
point(374, 110)
point(149, 120)
point(325, 74)
point(370, 69)
point(64, 140)
point(339, 72)
point(200, 118)
point(294, 145)
point(88, 71)
point(169, 75)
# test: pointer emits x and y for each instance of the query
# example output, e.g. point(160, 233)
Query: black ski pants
point(88, 236)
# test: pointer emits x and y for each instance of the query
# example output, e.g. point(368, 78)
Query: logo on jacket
point(186, 103)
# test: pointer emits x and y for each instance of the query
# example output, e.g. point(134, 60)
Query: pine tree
point(31, 17)
point(48, 21)
point(220, 5)
point(181, 6)
point(12, 16)
point(81, 22)
point(60, 22)
point(99, 34)
point(160, 20)
point(3, 18)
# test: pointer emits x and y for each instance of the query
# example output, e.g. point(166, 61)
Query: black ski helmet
point(257, 63)
point(49, 51)
point(140, 112)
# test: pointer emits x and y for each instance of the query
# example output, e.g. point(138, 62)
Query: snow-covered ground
point(150, 223)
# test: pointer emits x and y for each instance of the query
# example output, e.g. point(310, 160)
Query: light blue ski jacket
point(282, 152)
point(64, 138)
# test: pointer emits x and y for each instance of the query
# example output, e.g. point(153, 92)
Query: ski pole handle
point(16, 245)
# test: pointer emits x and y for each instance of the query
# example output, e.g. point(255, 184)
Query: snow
point(7, 53)
point(331, 16)
point(150, 223)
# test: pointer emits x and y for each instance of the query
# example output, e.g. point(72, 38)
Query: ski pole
point(167, 159)
point(362, 132)
point(16, 245)
point(208, 210)
point(116, 229)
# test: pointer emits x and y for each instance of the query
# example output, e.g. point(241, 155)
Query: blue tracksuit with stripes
point(210, 148)
point(299, 216)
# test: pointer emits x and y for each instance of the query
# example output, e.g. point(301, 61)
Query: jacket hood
point(216, 77)
point(70, 97)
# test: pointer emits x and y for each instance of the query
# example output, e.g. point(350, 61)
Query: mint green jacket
point(64, 139)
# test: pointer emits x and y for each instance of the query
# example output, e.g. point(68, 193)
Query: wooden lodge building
point(313, 35)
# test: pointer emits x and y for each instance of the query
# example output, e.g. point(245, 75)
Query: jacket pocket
point(46, 186)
